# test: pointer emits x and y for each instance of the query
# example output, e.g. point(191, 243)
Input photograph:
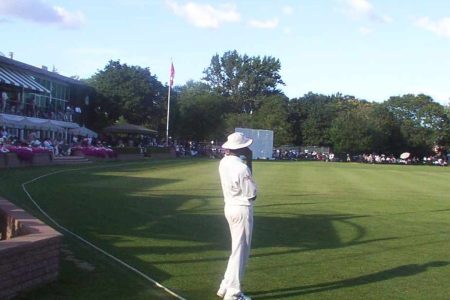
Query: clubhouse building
point(39, 101)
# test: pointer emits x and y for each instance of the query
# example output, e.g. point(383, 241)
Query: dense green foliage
point(365, 128)
point(413, 123)
point(127, 150)
point(322, 230)
point(199, 112)
point(129, 91)
point(243, 79)
point(422, 121)
point(243, 91)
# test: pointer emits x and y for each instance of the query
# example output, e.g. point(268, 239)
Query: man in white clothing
point(239, 191)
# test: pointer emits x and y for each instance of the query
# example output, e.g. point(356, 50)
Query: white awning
point(35, 123)
point(20, 79)
point(11, 120)
point(64, 124)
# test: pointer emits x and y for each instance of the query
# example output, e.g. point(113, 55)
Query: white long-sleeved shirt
point(238, 185)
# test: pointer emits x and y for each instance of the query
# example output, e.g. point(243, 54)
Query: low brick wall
point(42, 159)
point(29, 251)
point(162, 155)
point(10, 160)
point(130, 156)
point(119, 157)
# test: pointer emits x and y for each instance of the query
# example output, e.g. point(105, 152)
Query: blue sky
point(371, 49)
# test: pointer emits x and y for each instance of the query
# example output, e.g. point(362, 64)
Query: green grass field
point(322, 230)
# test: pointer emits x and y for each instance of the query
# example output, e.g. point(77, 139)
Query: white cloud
point(70, 19)
point(287, 30)
point(363, 9)
point(287, 10)
point(268, 24)
point(40, 11)
point(359, 7)
point(365, 30)
point(205, 15)
point(440, 27)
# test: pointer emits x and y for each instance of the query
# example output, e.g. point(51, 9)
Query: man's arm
point(247, 152)
point(249, 185)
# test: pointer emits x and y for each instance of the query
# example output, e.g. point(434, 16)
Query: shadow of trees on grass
point(139, 208)
point(401, 271)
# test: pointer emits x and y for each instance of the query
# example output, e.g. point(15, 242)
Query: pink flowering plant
point(26, 153)
point(101, 152)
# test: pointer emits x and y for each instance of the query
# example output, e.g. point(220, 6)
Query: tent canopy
point(129, 128)
point(83, 131)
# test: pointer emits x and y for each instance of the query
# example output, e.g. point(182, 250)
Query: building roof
point(20, 79)
point(35, 70)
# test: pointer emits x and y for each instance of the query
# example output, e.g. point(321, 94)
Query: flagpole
point(168, 113)
point(171, 76)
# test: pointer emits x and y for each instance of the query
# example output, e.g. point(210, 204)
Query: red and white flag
point(172, 75)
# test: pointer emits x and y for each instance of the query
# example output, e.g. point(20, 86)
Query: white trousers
point(240, 221)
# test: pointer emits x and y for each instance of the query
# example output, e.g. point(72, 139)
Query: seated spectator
point(331, 156)
point(48, 145)
point(4, 133)
point(64, 149)
point(35, 143)
point(32, 136)
point(3, 148)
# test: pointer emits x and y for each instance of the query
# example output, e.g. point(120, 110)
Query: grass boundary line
point(67, 231)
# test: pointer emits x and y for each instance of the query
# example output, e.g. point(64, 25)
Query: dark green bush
point(157, 150)
point(127, 150)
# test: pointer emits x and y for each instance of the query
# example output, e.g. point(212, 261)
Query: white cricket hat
point(237, 140)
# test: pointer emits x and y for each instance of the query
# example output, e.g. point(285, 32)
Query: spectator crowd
point(438, 157)
point(57, 147)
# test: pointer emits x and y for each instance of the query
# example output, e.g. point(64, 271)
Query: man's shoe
point(221, 292)
point(239, 296)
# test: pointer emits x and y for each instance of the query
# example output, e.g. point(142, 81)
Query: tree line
point(243, 91)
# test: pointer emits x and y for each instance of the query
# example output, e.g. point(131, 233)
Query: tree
point(367, 127)
point(350, 133)
point(273, 115)
point(129, 91)
point(199, 113)
point(311, 117)
point(242, 78)
point(234, 120)
point(423, 122)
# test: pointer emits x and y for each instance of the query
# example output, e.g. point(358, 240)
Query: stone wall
point(29, 251)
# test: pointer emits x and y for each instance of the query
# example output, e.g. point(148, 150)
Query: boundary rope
point(67, 231)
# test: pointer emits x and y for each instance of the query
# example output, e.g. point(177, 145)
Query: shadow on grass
point(203, 233)
point(141, 209)
point(145, 221)
point(401, 271)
